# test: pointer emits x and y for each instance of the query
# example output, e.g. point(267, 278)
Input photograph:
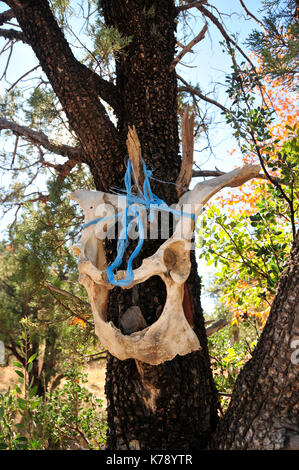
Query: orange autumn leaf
point(79, 321)
point(245, 198)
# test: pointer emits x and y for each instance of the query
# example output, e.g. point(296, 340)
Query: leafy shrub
point(69, 417)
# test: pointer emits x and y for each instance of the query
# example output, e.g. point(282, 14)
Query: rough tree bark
point(167, 398)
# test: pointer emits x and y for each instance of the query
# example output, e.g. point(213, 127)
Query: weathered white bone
point(171, 334)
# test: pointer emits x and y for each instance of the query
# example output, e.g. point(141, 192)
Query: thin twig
point(189, 46)
point(251, 14)
point(216, 326)
point(24, 75)
point(8, 60)
point(74, 314)
point(14, 152)
point(193, 91)
point(65, 293)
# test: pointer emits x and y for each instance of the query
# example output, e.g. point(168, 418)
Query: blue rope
point(148, 200)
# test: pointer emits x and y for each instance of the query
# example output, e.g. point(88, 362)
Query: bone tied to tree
point(171, 334)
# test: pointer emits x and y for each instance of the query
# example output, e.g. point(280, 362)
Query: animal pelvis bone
point(171, 334)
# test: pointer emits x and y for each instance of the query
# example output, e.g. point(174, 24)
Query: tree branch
point(38, 137)
point(6, 16)
point(65, 293)
point(189, 46)
point(13, 34)
point(76, 87)
point(207, 173)
point(73, 314)
point(190, 5)
point(248, 13)
point(226, 36)
point(193, 91)
point(216, 326)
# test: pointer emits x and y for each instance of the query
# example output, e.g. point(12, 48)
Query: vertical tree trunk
point(148, 89)
point(264, 410)
point(170, 406)
point(173, 405)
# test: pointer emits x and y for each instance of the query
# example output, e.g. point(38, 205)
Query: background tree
point(35, 268)
point(84, 96)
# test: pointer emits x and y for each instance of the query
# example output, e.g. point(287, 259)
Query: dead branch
point(216, 326)
point(189, 46)
point(185, 175)
point(134, 151)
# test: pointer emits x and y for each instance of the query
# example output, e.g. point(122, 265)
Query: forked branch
point(189, 46)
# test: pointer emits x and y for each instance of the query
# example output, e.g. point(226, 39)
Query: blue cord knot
point(151, 202)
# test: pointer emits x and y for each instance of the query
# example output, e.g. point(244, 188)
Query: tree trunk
point(264, 410)
point(165, 407)
point(148, 88)
point(173, 405)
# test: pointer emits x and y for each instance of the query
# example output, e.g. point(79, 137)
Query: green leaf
point(32, 358)
point(18, 364)
point(17, 389)
point(34, 404)
point(20, 374)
